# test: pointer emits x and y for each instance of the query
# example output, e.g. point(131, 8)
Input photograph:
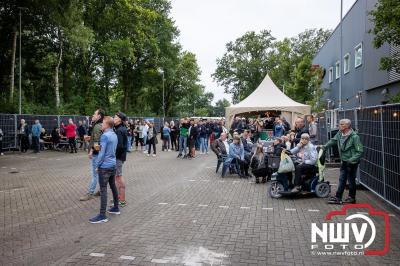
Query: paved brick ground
point(180, 213)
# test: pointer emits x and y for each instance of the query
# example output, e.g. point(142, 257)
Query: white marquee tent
point(267, 97)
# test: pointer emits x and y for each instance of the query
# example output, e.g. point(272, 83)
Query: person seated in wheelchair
point(259, 167)
point(235, 157)
point(306, 160)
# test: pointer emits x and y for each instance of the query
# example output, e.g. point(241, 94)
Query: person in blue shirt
point(166, 131)
point(36, 130)
point(106, 167)
point(235, 156)
point(279, 129)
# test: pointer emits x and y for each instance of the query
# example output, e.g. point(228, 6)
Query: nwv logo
point(339, 235)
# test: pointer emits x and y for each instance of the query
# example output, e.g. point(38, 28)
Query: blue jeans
point(129, 143)
point(182, 144)
point(95, 175)
point(207, 140)
point(348, 172)
point(203, 145)
point(145, 142)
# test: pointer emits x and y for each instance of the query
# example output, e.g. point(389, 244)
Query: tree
point(219, 108)
point(386, 17)
point(288, 62)
point(245, 63)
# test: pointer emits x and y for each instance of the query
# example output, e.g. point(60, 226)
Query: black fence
point(379, 131)
point(9, 124)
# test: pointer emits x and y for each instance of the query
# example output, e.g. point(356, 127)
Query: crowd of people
point(240, 150)
point(245, 149)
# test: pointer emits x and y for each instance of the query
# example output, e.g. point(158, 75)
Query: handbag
point(286, 165)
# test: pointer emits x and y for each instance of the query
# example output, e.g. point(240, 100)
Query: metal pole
point(341, 54)
point(20, 63)
point(163, 96)
point(383, 154)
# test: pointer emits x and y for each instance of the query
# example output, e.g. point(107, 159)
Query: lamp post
point(341, 54)
point(20, 60)
point(161, 71)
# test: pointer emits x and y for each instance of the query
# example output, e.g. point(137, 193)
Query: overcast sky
point(207, 25)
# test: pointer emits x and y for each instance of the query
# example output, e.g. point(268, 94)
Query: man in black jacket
point(193, 132)
point(300, 129)
point(120, 154)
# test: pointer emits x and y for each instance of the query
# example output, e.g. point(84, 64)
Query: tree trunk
point(12, 75)
point(57, 69)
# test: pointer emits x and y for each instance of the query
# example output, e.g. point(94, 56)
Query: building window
point(337, 70)
point(346, 63)
point(330, 74)
point(358, 55)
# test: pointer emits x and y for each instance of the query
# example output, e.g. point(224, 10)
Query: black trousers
point(173, 142)
point(152, 143)
point(72, 144)
point(303, 169)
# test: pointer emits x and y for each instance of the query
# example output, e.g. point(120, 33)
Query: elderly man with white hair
point(350, 152)
point(307, 156)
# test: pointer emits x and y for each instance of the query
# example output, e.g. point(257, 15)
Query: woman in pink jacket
point(70, 132)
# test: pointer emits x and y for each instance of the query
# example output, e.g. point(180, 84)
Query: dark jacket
point(247, 147)
point(299, 132)
point(122, 136)
point(202, 131)
point(194, 131)
point(81, 131)
point(218, 147)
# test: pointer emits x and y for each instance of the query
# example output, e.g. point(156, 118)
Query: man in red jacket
point(70, 132)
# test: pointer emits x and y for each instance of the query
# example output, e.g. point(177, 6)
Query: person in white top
point(144, 134)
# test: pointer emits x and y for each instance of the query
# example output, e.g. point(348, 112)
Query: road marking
point(12, 190)
point(159, 261)
point(311, 210)
point(209, 167)
point(127, 257)
point(392, 215)
point(203, 205)
point(245, 208)
point(333, 184)
point(251, 182)
point(205, 180)
point(192, 180)
point(221, 181)
point(269, 209)
point(224, 207)
point(13, 168)
point(97, 254)
point(235, 182)
point(4, 167)
point(182, 204)
point(58, 159)
point(162, 203)
point(290, 210)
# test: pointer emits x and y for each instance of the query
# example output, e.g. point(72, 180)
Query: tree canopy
point(80, 55)
point(288, 62)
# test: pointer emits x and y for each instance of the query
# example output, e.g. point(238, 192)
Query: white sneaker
point(154, 155)
point(144, 151)
point(148, 155)
point(1, 154)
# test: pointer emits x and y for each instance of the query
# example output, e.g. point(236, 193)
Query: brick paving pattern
point(180, 213)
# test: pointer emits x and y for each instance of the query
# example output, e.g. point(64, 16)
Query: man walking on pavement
point(120, 130)
point(350, 152)
point(106, 163)
point(94, 147)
